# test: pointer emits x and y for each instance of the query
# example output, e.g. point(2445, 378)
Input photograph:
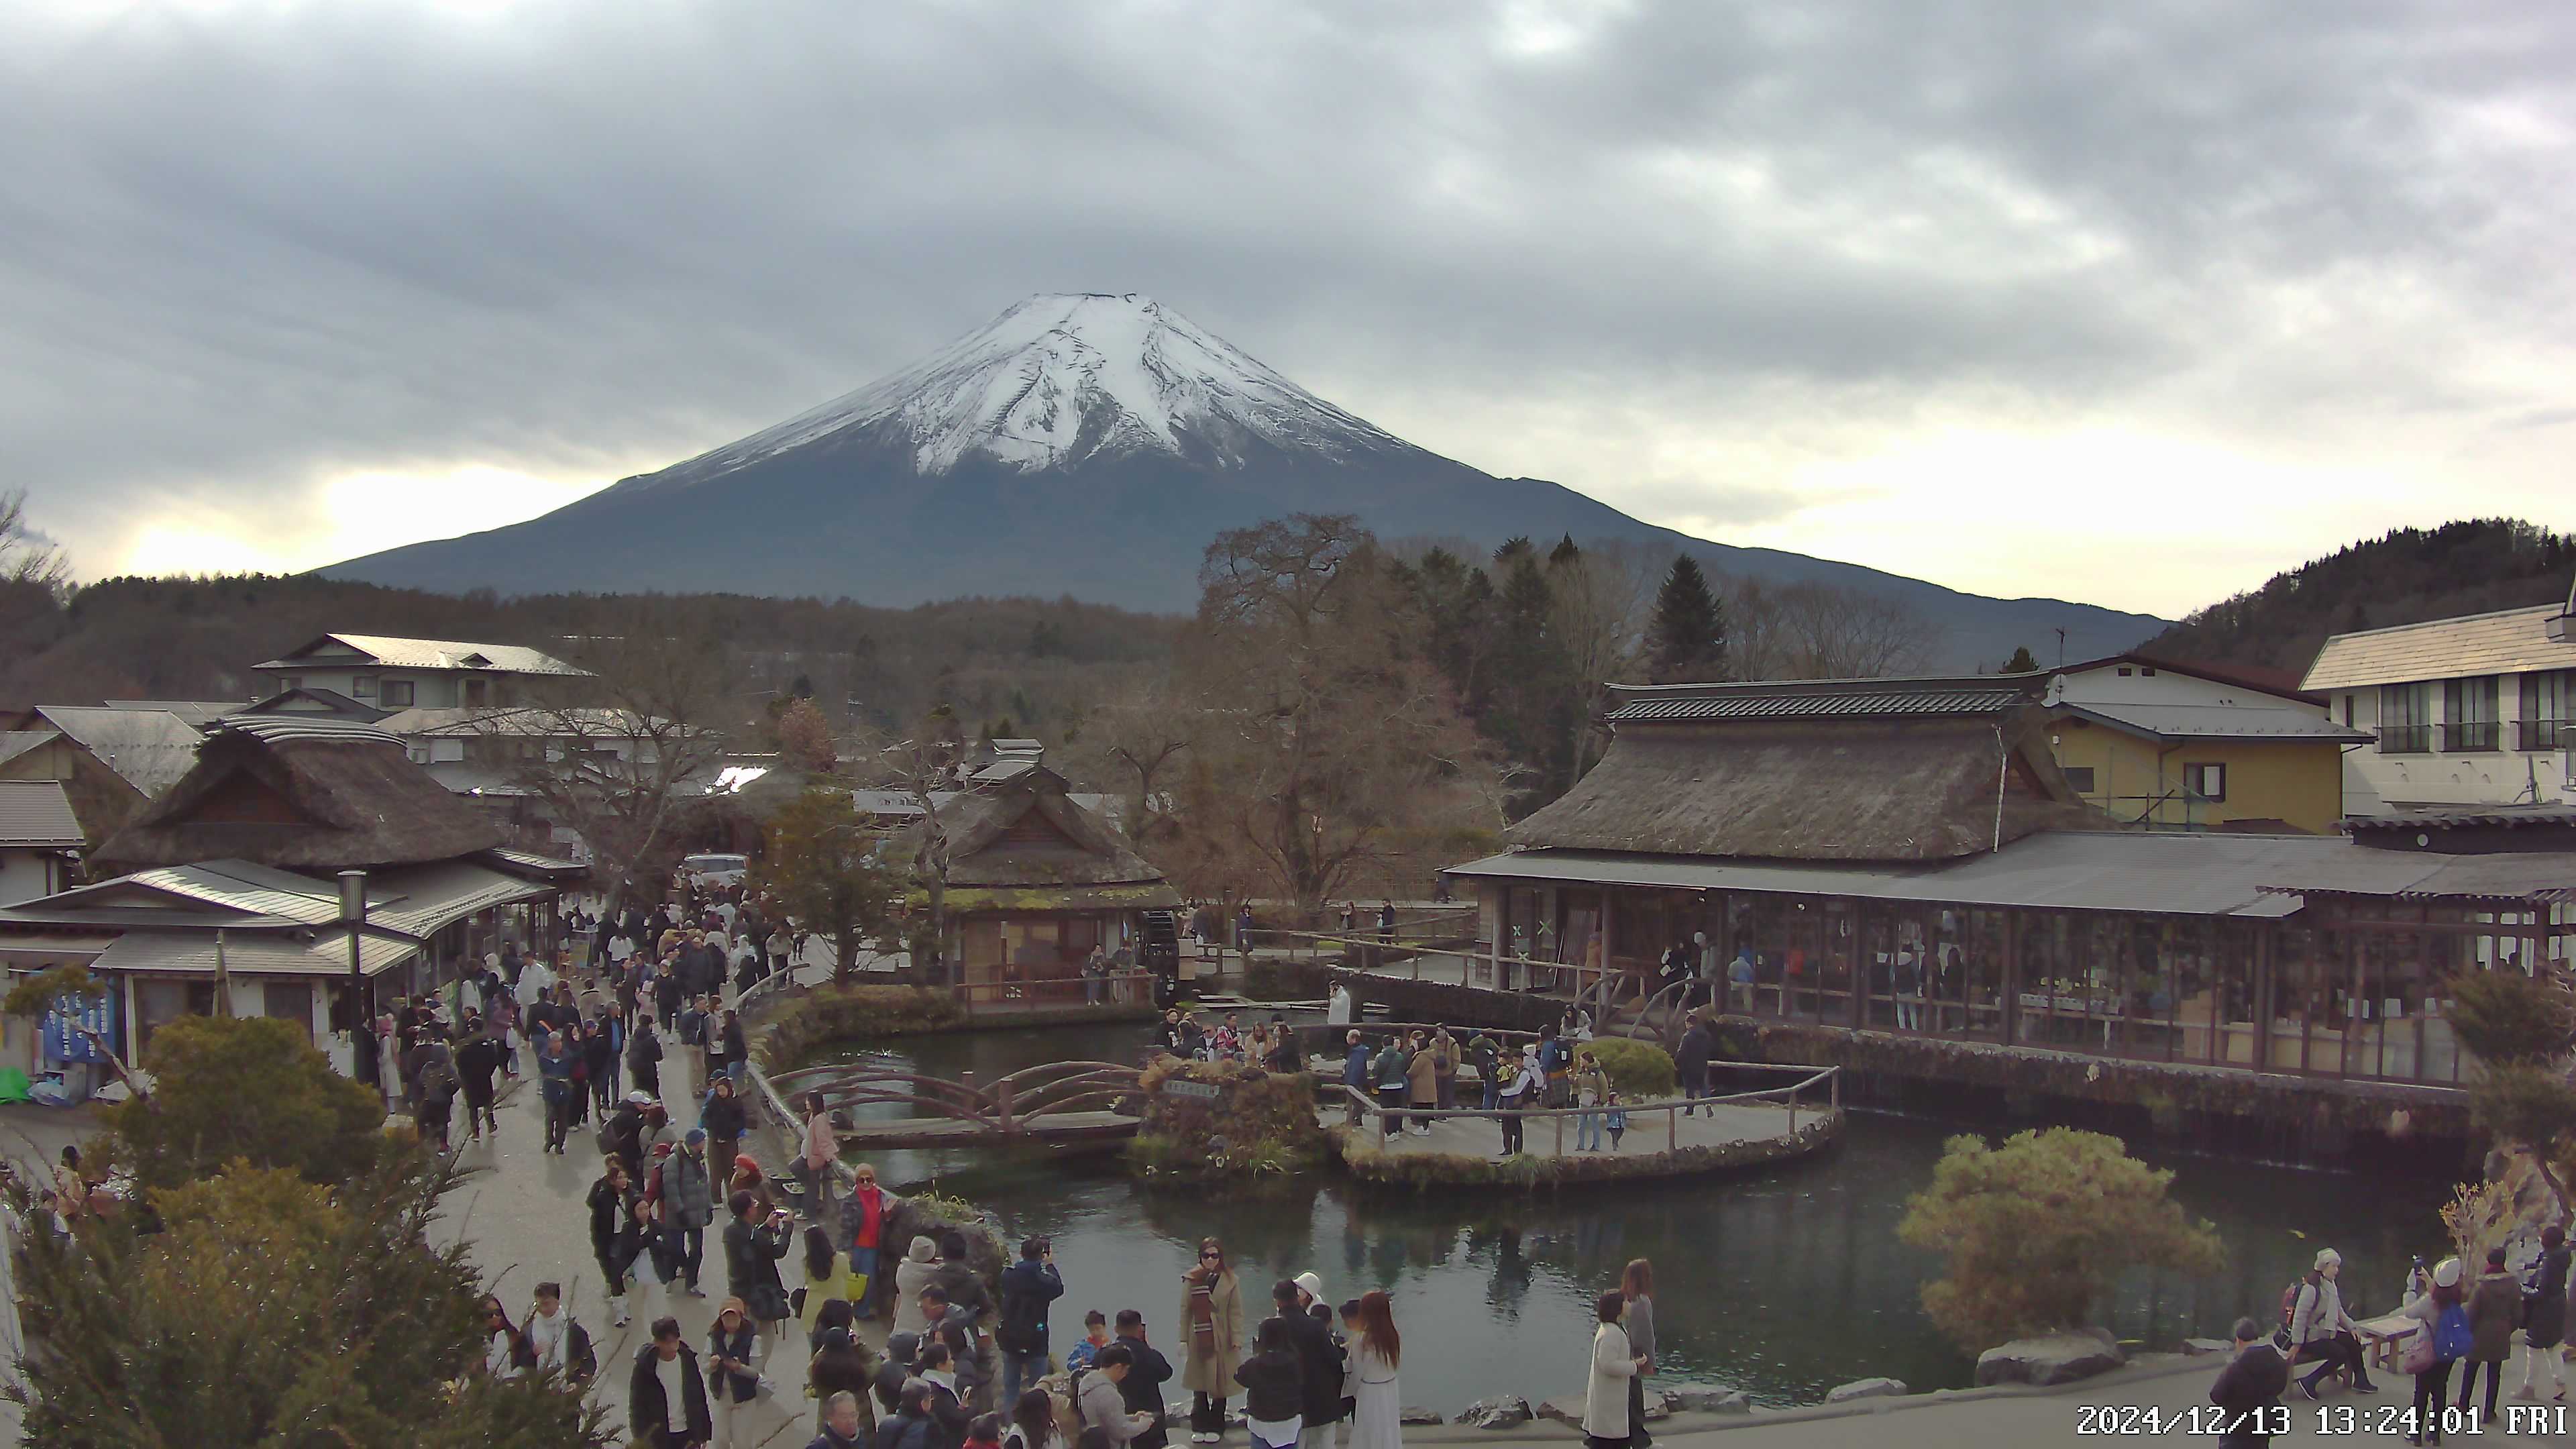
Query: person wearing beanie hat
point(2321, 1329)
point(2495, 1311)
point(2437, 1297)
point(2544, 1319)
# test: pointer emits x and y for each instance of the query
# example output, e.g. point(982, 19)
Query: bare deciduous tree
point(28, 558)
point(1822, 631)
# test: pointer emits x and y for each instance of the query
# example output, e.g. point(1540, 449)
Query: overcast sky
point(2133, 309)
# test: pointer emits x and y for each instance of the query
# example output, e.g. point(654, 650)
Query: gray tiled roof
point(2220, 721)
point(1824, 703)
point(399, 653)
point(2514, 641)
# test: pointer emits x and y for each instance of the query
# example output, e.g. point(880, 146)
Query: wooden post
point(1672, 1129)
point(1836, 1082)
point(1793, 1111)
point(1560, 1134)
point(1002, 1103)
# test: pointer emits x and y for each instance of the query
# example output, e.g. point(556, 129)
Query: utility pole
point(2061, 648)
point(362, 1013)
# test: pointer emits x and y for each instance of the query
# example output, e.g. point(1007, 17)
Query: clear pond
point(1782, 1283)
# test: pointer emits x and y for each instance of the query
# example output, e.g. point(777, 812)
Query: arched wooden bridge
point(1058, 1102)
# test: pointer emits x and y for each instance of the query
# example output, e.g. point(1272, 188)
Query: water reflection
point(1782, 1284)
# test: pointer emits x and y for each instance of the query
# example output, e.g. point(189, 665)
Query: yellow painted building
point(2179, 746)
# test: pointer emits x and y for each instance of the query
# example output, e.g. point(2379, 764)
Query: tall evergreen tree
point(1686, 636)
point(2021, 661)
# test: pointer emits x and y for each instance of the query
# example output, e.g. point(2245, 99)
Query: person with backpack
point(2495, 1311)
point(1028, 1286)
point(438, 1085)
point(2544, 1318)
point(2322, 1330)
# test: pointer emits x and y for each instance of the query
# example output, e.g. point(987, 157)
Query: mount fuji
point(1088, 445)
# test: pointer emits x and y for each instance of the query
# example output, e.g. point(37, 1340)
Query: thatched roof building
point(301, 795)
point(1035, 881)
point(1870, 770)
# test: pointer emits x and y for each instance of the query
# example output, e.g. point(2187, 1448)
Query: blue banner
point(63, 1043)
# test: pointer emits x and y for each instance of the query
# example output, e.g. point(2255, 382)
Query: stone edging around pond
point(2140, 1368)
point(1457, 1169)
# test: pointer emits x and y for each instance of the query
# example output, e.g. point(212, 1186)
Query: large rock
point(1569, 1410)
point(2053, 1358)
point(1865, 1389)
point(1709, 1401)
point(1409, 1414)
point(1509, 1411)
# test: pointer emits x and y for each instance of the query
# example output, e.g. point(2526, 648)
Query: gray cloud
point(241, 250)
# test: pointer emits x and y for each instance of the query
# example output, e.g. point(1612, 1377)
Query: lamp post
point(362, 1014)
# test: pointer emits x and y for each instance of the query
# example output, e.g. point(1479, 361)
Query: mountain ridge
point(1091, 444)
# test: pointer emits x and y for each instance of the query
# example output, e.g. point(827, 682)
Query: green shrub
point(1639, 1070)
point(2037, 1230)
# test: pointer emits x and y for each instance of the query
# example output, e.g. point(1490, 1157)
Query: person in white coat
point(1605, 1398)
point(1377, 1412)
point(1338, 1009)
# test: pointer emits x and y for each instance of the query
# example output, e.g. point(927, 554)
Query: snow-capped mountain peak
point(1062, 378)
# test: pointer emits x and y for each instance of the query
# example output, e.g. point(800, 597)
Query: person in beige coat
point(1605, 1397)
point(1211, 1324)
point(1422, 1079)
point(918, 1270)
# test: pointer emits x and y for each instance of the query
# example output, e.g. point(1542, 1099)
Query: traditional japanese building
point(1906, 859)
point(1035, 880)
point(235, 883)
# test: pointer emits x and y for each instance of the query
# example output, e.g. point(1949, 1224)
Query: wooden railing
point(1004, 1108)
point(1372, 1112)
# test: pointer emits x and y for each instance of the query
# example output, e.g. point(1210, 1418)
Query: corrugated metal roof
point(399, 653)
point(2220, 722)
point(530, 860)
point(2421, 875)
point(303, 727)
point(2151, 872)
point(1854, 704)
point(36, 815)
point(2512, 641)
point(250, 953)
point(242, 886)
point(147, 748)
point(425, 898)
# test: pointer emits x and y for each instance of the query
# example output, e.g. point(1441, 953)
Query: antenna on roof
point(2061, 648)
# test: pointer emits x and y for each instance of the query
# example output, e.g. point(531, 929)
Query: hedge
point(1639, 1071)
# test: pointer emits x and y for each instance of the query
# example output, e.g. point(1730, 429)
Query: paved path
point(1476, 1135)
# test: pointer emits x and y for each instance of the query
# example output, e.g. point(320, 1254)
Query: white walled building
point(390, 674)
point(2479, 710)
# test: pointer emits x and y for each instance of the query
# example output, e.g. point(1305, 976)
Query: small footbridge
point(1058, 1103)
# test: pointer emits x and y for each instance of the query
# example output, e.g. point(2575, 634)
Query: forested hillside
point(2406, 576)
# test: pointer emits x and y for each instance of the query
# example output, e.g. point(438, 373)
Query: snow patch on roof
point(1062, 378)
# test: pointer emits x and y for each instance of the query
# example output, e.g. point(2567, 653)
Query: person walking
point(554, 1086)
point(2321, 1329)
point(1319, 1363)
point(733, 1372)
point(666, 1400)
point(1028, 1286)
point(864, 1214)
point(2429, 1302)
point(437, 1086)
point(723, 1117)
point(687, 1206)
point(1377, 1416)
point(814, 1163)
point(1637, 1320)
point(2544, 1318)
point(2495, 1310)
point(1274, 1402)
point(1607, 1418)
point(752, 1250)
point(1422, 1075)
point(2248, 1391)
point(1690, 1062)
point(478, 1062)
point(1212, 1320)
point(1591, 1087)
point(616, 1231)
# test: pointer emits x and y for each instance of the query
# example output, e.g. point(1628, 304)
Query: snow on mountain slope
point(1060, 379)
